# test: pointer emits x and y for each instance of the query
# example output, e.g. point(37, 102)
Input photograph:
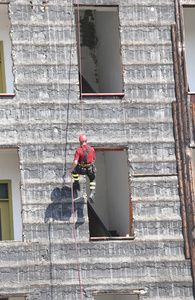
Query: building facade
point(122, 73)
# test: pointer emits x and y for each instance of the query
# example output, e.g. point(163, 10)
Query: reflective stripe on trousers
point(76, 177)
point(92, 185)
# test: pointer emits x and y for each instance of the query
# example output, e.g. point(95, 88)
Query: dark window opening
point(3, 190)
point(111, 214)
point(13, 298)
point(100, 50)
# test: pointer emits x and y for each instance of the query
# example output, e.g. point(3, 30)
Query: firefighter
point(84, 164)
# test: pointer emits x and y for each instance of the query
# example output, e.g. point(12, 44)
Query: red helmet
point(82, 138)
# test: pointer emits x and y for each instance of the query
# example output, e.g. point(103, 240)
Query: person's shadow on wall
point(61, 208)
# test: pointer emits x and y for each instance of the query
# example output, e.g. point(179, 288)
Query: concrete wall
point(44, 120)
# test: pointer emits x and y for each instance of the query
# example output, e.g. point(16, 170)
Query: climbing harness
point(85, 165)
point(84, 168)
point(84, 161)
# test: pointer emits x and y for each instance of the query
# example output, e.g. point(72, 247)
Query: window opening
point(110, 216)
point(189, 25)
point(6, 75)
point(13, 298)
point(2, 70)
point(6, 210)
point(193, 163)
point(116, 297)
point(0, 227)
point(100, 50)
point(192, 100)
point(10, 202)
point(4, 191)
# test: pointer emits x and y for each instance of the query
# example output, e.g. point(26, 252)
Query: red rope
point(80, 67)
point(76, 240)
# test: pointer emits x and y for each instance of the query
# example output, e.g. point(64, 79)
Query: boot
point(76, 185)
point(92, 196)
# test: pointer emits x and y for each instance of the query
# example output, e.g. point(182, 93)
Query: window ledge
point(106, 238)
point(6, 95)
point(12, 242)
point(103, 94)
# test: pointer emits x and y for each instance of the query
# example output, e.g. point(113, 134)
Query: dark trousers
point(89, 171)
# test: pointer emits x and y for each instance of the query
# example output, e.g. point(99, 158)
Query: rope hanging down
point(81, 91)
point(80, 66)
point(75, 238)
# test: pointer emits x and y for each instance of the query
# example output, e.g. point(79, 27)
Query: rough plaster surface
point(44, 121)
